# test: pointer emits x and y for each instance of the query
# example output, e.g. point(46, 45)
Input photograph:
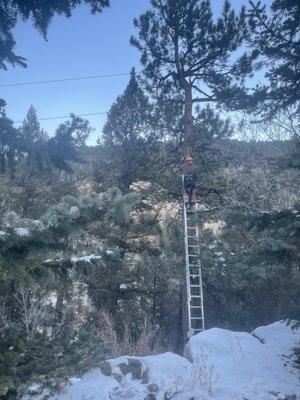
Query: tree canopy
point(184, 48)
point(41, 13)
point(276, 40)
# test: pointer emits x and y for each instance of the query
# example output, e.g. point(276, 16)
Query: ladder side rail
point(187, 271)
point(200, 282)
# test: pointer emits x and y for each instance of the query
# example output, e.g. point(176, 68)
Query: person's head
point(188, 159)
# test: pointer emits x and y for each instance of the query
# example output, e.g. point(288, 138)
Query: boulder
point(105, 368)
point(122, 366)
point(133, 366)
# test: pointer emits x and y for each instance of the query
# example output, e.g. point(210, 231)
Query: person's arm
point(195, 173)
point(181, 166)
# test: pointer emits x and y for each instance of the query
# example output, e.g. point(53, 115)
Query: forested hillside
point(91, 242)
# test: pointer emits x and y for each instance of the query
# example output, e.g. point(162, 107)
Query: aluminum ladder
point(194, 287)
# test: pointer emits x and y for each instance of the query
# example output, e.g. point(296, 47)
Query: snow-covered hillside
point(223, 365)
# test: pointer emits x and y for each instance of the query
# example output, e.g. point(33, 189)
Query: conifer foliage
point(45, 327)
point(182, 47)
point(41, 14)
point(129, 136)
point(276, 40)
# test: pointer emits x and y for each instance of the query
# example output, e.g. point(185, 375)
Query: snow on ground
point(87, 259)
point(22, 231)
point(246, 367)
point(225, 365)
point(93, 385)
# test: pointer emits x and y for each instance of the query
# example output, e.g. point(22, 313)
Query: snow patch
point(22, 231)
point(87, 259)
point(74, 212)
point(248, 368)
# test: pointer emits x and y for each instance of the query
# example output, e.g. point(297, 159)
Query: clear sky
point(83, 45)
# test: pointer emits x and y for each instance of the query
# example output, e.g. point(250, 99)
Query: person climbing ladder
point(189, 171)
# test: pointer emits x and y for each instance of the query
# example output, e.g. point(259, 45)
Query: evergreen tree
point(276, 39)
point(30, 130)
point(185, 50)
point(32, 163)
point(9, 144)
point(63, 148)
point(44, 340)
point(59, 273)
point(129, 137)
point(264, 264)
point(41, 14)
point(32, 139)
point(249, 231)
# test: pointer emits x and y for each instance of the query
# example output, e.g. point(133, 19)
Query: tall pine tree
point(129, 136)
point(30, 130)
point(184, 49)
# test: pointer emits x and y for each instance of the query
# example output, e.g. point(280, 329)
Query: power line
point(66, 116)
point(64, 80)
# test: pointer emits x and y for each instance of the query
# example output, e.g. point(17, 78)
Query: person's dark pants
point(189, 187)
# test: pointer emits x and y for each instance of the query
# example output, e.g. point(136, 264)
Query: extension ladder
point(193, 272)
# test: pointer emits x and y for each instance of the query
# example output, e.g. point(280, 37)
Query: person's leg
point(194, 195)
point(187, 188)
point(191, 188)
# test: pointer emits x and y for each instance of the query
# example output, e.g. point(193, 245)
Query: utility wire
point(66, 116)
point(64, 80)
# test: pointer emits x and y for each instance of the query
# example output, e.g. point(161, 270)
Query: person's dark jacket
point(189, 169)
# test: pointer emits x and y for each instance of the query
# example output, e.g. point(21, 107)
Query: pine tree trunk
point(183, 313)
point(188, 98)
point(188, 117)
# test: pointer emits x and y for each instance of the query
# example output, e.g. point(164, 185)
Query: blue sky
point(83, 45)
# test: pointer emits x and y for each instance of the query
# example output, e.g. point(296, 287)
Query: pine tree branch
point(203, 100)
point(268, 28)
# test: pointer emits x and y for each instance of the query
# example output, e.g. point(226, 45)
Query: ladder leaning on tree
point(194, 288)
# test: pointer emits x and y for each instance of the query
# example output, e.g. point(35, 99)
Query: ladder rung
point(192, 245)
